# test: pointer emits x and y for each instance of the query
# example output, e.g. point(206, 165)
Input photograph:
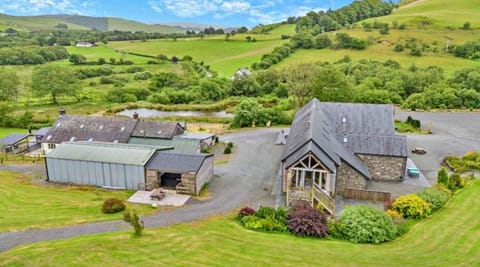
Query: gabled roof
point(177, 162)
point(393, 145)
point(311, 130)
point(157, 129)
point(196, 136)
point(178, 144)
point(42, 131)
point(90, 128)
point(105, 152)
point(13, 138)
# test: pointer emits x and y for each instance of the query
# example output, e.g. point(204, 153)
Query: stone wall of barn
point(385, 168)
point(151, 181)
point(349, 178)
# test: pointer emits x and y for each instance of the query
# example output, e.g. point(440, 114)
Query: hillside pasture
point(223, 56)
point(441, 13)
point(450, 237)
point(383, 49)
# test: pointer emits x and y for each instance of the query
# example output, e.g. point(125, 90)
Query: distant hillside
point(436, 13)
point(75, 22)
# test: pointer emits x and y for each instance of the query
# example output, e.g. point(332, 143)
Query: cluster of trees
point(468, 50)
point(31, 55)
point(277, 55)
point(318, 22)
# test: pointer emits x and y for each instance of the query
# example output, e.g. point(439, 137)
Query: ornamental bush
point(113, 205)
point(434, 197)
point(265, 219)
point(442, 176)
point(246, 211)
point(411, 206)
point(366, 224)
point(305, 220)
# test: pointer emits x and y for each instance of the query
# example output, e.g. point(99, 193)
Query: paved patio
point(171, 198)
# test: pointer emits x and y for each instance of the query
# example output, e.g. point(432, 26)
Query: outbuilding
point(110, 165)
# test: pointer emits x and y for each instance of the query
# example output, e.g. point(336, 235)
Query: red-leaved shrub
point(305, 220)
point(246, 211)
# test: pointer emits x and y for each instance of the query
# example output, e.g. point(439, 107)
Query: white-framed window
point(52, 146)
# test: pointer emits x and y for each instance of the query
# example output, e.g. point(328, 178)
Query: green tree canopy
point(8, 84)
point(54, 80)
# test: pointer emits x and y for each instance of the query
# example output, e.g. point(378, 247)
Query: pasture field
point(450, 237)
point(442, 13)
point(223, 56)
point(25, 204)
point(383, 49)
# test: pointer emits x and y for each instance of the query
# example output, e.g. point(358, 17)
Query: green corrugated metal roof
point(178, 144)
point(130, 154)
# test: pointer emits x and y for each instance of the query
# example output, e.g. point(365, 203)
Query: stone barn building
point(335, 147)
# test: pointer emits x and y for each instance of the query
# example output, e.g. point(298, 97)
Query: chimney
point(135, 115)
point(63, 112)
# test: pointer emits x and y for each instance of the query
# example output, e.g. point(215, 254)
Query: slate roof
point(178, 144)
point(105, 152)
point(90, 128)
point(311, 131)
point(13, 138)
point(177, 162)
point(196, 136)
point(157, 129)
point(42, 131)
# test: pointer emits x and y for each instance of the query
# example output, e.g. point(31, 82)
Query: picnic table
point(158, 194)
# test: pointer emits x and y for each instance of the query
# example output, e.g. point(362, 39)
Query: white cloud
point(187, 8)
point(235, 6)
point(37, 7)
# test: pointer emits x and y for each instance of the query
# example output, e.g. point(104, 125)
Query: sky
point(215, 12)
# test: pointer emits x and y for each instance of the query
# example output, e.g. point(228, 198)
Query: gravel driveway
point(246, 179)
point(453, 133)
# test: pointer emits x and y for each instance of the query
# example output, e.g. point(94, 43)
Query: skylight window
point(59, 124)
point(344, 120)
point(100, 127)
point(49, 137)
point(72, 139)
point(90, 139)
point(81, 126)
point(345, 140)
point(115, 141)
point(159, 132)
point(123, 129)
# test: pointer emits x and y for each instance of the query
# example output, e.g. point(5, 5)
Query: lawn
point(451, 237)
point(25, 205)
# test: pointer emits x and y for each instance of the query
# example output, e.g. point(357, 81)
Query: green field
point(6, 131)
point(26, 204)
point(451, 237)
point(383, 49)
point(33, 23)
point(223, 56)
point(442, 13)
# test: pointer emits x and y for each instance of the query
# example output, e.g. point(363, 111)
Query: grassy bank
point(24, 204)
point(451, 237)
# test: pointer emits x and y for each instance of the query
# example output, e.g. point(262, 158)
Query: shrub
point(246, 211)
point(227, 150)
point(411, 206)
point(134, 220)
point(396, 217)
point(305, 220)
point(455, 182)
point(365, 224)
point(387, 205)
point(113, 205)
point(230, 144)
point(435, 197)
point(442, 177)
point(265, 218)
point(444, 189)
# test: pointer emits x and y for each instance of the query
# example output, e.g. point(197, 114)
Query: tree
point(301, 80)
point(442, 177)
point(332, 85)
point(466, 25)
point(8, 85)
point(54, 80)
point(77, 59)
point(248, 113)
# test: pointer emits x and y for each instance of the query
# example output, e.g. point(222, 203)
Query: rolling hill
point(76, 22)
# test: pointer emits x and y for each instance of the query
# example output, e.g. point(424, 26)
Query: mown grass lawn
point(451, 237)
point(24, 204)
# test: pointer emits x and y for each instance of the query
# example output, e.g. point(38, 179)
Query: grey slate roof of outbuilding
point(177, 162)
point(42, 131)
point(157, 129)
point(178, 144)
point(90, 128)
point(105, 152)
point(311, 131)
point(13, 138)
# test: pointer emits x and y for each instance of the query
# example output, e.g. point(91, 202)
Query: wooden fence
point(366, 195)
